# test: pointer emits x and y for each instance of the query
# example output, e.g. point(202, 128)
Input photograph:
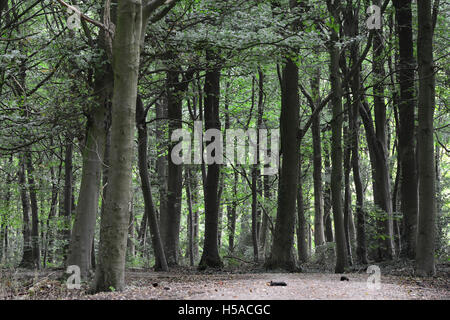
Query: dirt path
point(250, 286)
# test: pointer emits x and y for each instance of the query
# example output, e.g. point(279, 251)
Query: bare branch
point(85, 17)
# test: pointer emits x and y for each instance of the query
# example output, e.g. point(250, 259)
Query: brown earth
point(149, 285)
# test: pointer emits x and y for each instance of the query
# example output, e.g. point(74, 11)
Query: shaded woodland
point(92, 96)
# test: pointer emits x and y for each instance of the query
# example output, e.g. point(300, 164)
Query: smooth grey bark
point(425, 260)
point(110, 270)
point(93, 154)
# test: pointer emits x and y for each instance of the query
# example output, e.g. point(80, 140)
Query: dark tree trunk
point(220, 210)
point(231, 208)
point(162, 159)
point(327, 198)
point(282, 254)
point(158, 248)
point(336, 145)
point(27, 256)
point(190, 233)
point(170, 222)
point(266, 216)
point(254, 215)
point(67, 198)
point(254, 188)
point(347, 192)
point(195, 217)
point(406, 148)
point(425, 264)
point(319, 233)
point(361, 246)
point(4, 218)
point(50, 219)
point(34, 213)
point(130, 240)
point(210, 256)
point(231, 211)
point(382, 189)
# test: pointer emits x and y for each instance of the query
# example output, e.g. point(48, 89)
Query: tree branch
point(85, 17)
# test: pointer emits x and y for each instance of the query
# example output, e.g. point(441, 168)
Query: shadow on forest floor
point(250, 283)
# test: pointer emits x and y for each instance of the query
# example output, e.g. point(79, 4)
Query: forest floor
point(397, 283)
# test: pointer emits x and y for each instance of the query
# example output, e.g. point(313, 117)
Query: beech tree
point(93, 93)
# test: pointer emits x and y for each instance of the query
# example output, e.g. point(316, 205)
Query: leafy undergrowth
point(251, 282)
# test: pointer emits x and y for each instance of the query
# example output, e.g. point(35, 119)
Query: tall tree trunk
point(195, 217)
point(34, 212)
point(336, 144)
point(210, 256)
point(282, 254)
point(231, 211)
point(302, 225)
point(406, 148)
point(4, 218)
point(266, 216)
point(425, 265)
point(254, 214)
point(51, 216)
point(95, 152)
point(329, 237)
point(382, 189)
point(319, 233)
point(110, 270)
point(190, 233)
point(170, 222)
point(158, 247)
point(162, 159)
point(86, 211)
point(347, 192)
point(220, 209)
point(361, 246)
point(231, 208)
point(27, 256)
point(130, 238)
point(66, 213)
